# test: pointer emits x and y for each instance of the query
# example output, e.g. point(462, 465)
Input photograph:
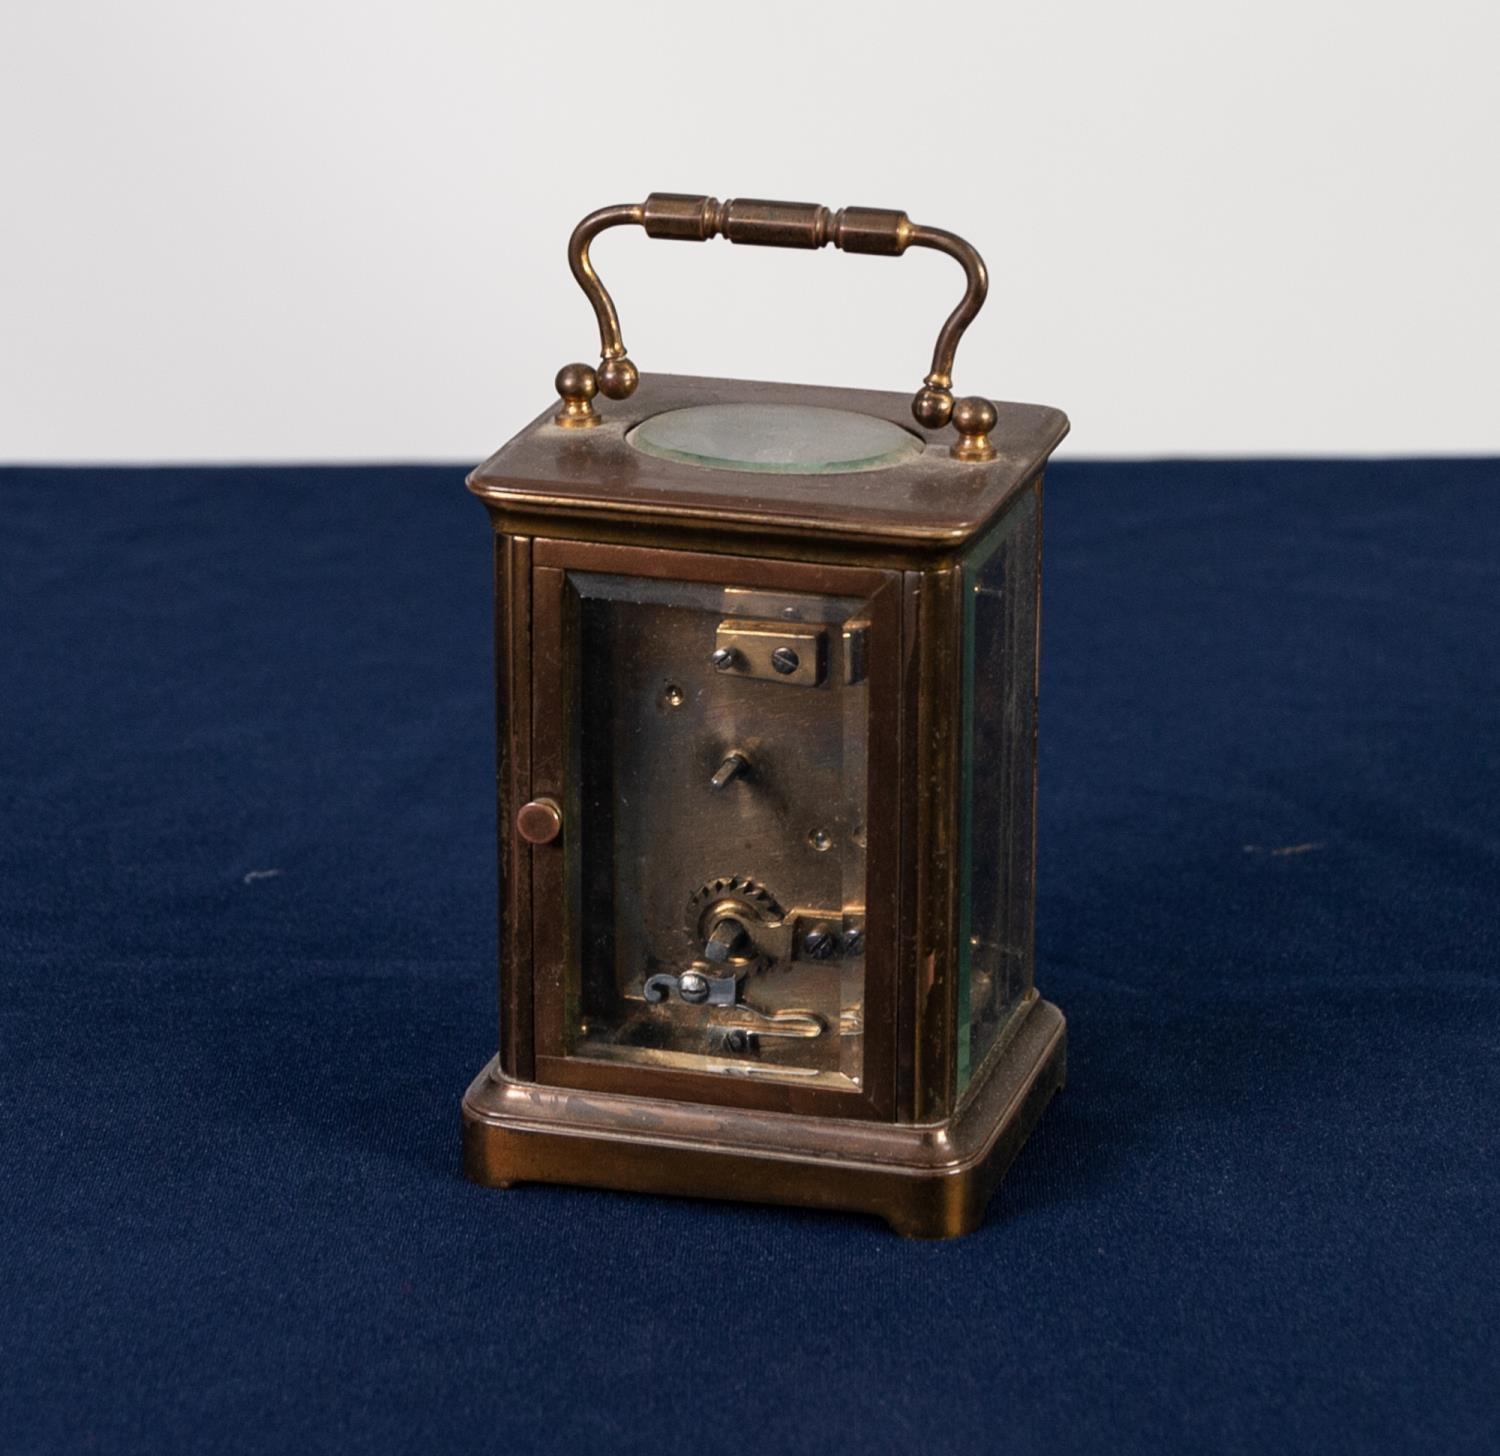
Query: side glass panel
point(999, 754)
point(715, 867)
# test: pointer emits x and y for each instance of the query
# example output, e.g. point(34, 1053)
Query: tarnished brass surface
point(932, 838)
point(540, 821)
point(911, 652)
point(927, 1181)
point(576, 386)
point(579, 514)
point(513, 781)
point(592, 485)
point(974, 419)
point(795, 653)
point(689, 217)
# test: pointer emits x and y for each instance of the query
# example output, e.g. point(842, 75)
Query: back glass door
point(717, 921)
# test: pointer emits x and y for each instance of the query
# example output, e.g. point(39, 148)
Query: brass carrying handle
point(777, 225)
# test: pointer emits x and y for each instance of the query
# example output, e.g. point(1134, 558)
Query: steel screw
point(736, 1041)
point(723, 658)
point(818, 944)
point(693, 988)
point(784, 660)
point(854, 942)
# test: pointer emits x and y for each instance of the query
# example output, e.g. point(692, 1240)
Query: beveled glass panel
point(778, 439)
point(715, 864)
point(996, 935)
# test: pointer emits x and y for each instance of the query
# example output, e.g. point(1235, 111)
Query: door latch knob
point(540, 821)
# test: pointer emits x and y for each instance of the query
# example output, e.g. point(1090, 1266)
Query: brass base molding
point(929, 1181)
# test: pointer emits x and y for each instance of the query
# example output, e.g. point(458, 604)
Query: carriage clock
point(767, 674)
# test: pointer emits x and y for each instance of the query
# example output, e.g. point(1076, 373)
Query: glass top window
point(776, 439)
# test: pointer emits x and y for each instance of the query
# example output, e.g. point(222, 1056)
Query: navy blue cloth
point(247, 926)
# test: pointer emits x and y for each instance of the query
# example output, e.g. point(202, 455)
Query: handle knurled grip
point(777, 225)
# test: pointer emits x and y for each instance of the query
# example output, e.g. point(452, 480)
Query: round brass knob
point(577, 385)
point(539, 822)
point(617, 378)
point(974, 418)
point(933, 407)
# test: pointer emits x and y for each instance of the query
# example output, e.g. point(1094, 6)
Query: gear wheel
point(737, 897)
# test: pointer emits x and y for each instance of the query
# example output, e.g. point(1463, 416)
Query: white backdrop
point(297, 229)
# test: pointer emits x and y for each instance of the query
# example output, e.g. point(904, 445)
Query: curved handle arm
point(781, 225)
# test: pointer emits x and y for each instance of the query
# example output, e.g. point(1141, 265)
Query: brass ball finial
point(577, 384)
point(933, 407)
point(618, 378)
point(974, 418)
